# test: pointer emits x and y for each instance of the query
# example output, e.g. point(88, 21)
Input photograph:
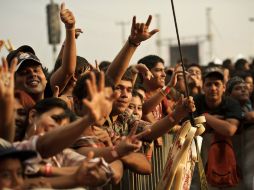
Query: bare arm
point(137, 162)
point(64, 73)
point(156, 99)
point(139, 33)
point(87, 174)
point(98, 105)
point(182, 109)
point(226, 127)
point(61, 137)
point(7, 117)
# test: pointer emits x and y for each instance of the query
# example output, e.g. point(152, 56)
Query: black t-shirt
point(229, 108)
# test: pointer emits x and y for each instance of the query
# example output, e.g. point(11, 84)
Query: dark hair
point(128, 75)
point(80, 89)
point(136, 94)
point(194, 65)
point(81, 61)
point(151, 61)
point(103, 66)
point(49, 103)
point(239, 64)
point(138, 86)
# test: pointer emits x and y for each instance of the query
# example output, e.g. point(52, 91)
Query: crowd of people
point(83, 125)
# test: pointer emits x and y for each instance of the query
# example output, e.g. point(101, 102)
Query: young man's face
point(213, 89)
point(11, 174)
point(31, 79)
point(159, 76)
point(240, 92)
point(124, 88)
point(249, 83)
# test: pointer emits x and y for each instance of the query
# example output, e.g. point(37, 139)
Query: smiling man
point(29, 76)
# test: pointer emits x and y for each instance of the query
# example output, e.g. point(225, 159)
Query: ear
point(31, 116)
point(224, 87)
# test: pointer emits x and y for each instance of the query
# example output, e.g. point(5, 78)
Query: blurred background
point(210, 30)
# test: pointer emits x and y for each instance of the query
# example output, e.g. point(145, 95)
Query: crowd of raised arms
point(84, 126)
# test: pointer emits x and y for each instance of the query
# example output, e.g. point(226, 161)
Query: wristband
point(166, 89)
point(48, 169)
point(133, 43)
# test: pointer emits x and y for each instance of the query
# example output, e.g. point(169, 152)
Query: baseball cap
point(7, 150)
point(14, 53)
point(213, 71)
point(232, 82)
point(25, 57)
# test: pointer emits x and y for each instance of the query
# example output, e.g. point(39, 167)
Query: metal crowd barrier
point(134, 181)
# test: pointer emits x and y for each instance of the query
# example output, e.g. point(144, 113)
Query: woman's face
point(20, 119)
point(11, 174)
point(49, 120)
point(136, 106)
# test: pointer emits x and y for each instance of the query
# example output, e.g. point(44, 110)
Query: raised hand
point(141, 68)
point(183, 107)
point(78, 31)
point(7, 79)
point(140, 31)
point(100, 98)
point(67, 17)
point(177, 71)
point(131, 142)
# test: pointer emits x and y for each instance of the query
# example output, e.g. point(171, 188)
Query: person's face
point(240, 92)
point(213, 89)
point(31, 79)
point(11, 174)
point(249, 83)
point(159, 74)
point(49, 120)
point(195, 72)
point(20, 119)
point(124, 88)
point(136, 107)
point(246, 66)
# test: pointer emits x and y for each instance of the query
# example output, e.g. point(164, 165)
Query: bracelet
point(48, 169)
point(132, 43)
point(114, 153)
point(166, 89)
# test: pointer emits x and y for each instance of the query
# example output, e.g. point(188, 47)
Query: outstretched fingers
point(101, 84)
point(149, 20)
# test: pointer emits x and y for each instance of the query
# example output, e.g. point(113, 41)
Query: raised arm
point(7, 118)
point(139, 32)
point(64, 73)
point(98, 105)
point(152, 102)
point(182, 109)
